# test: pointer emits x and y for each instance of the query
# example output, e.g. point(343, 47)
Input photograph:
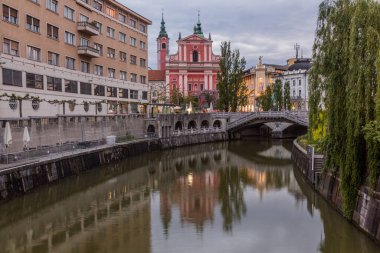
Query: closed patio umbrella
point(211, 108)
point(26, 137)
point(7, 135)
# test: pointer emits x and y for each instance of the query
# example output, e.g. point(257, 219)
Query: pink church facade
point(194, 68)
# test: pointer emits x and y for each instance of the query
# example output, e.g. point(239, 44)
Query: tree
point(287, 103)
point(232, 90)
point(265, 101)
point(343, 90)
point(176, 97)
point(277, 95)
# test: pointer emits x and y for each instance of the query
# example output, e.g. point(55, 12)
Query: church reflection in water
point(199, 193)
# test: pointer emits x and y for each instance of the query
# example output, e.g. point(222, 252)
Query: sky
point(268, 28)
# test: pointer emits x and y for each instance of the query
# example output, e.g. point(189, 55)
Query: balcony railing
point(88, 51)
point(87, 28)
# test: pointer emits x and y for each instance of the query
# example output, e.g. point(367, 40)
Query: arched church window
point(163, 46)
point(195, 56)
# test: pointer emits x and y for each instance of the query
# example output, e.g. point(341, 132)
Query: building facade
point(72, 57)
point(257, 79)
point(193, 69)
point(298, 77)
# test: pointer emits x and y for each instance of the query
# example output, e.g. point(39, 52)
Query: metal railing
point(197, 131)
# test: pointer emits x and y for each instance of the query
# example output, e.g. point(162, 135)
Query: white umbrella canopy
point(7, 135)
point(26, 137)
point(190, 107)
point(211, 108)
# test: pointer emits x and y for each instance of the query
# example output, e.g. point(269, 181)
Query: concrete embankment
point(15, 181)
point(367, 212)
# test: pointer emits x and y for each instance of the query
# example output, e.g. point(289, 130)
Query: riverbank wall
point(367, 212)
point(22, 178)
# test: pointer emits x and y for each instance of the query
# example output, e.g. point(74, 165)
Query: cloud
point(257, 28)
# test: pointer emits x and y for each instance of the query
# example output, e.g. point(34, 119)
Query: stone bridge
point(276, 122)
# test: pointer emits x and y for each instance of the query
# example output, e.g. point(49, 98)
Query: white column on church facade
point(206, 82)
point(186, 85)
point(180, 48)
point(185, 53)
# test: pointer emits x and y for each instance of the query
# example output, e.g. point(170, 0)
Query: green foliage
point(265, 101)
point(193, 99)
point(344, 80)
point(232, 90)
point(277, 96)
point(176, 97)
point(287, 104)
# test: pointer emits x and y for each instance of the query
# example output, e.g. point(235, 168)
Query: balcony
point(88, 51)
point(87, 28)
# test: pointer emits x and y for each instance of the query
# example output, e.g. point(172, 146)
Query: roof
point(156, 75)
point(301, 64)
point(276, 66)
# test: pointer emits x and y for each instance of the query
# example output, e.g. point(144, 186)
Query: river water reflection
point(222, 197)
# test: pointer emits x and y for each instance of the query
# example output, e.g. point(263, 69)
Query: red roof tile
point(156, 75)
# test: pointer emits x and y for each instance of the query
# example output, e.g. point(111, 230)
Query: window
point(123, 93)
point(163, 46)
point(52, 32)
point(34, 81)
point(10, 47)
point(54, 84)
point(10, 15)
point(142, 79)
point(98, 70)
point(195, 87)
point(142, 45)
point(68, 13)
point(53, 58)
point(52, 5)
point(70, 63)
point(142, 62)
point(83, 18)
point(299, 82)
point(36, 1)
point(132, 23)
point(189, 86)
point(133, 60)
point(112, 92)
point(122, 37)
point(84, 42)
point(34, 53)
point(97, 5)
point(133, 41)
point(133, 77)
point(99, 47)
point(85, 88)
point(99, 26)
point(294, 82)
point(99, 90)
point(123, 56)
point(110, 32)
point(12, 77)
point(32, 24)
point(70, 38)
point(71, 86)
point(195, 56)
point(202, 86)
point(111, 53)
point(85, 67)
point(134, 94)
point(144, 95)
point(110, 12)
point(299, 93)
point(142, 28)
point(294, 93)
point(122, 18)
point(111, 73)
point(123, 75)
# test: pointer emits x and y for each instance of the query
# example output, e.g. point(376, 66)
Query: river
point(243, 196)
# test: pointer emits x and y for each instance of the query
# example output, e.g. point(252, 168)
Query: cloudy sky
point(267, 28)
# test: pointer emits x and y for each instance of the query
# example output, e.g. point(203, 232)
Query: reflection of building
point(196, 194)
point(298, 77)
point(193, 69)
point(72, 51)
point(258, 78)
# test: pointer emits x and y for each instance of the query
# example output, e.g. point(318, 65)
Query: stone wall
point(19, 180)
point(367, 213)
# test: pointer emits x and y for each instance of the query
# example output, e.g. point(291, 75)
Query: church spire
point(163, 32)
point(198, 27)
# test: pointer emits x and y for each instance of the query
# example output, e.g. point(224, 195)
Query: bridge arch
point(217, 124)
point(151, 130)
point(178, 126)
point(192, 125)
point(205, 124)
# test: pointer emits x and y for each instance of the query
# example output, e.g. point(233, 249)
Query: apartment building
point(72, 57)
